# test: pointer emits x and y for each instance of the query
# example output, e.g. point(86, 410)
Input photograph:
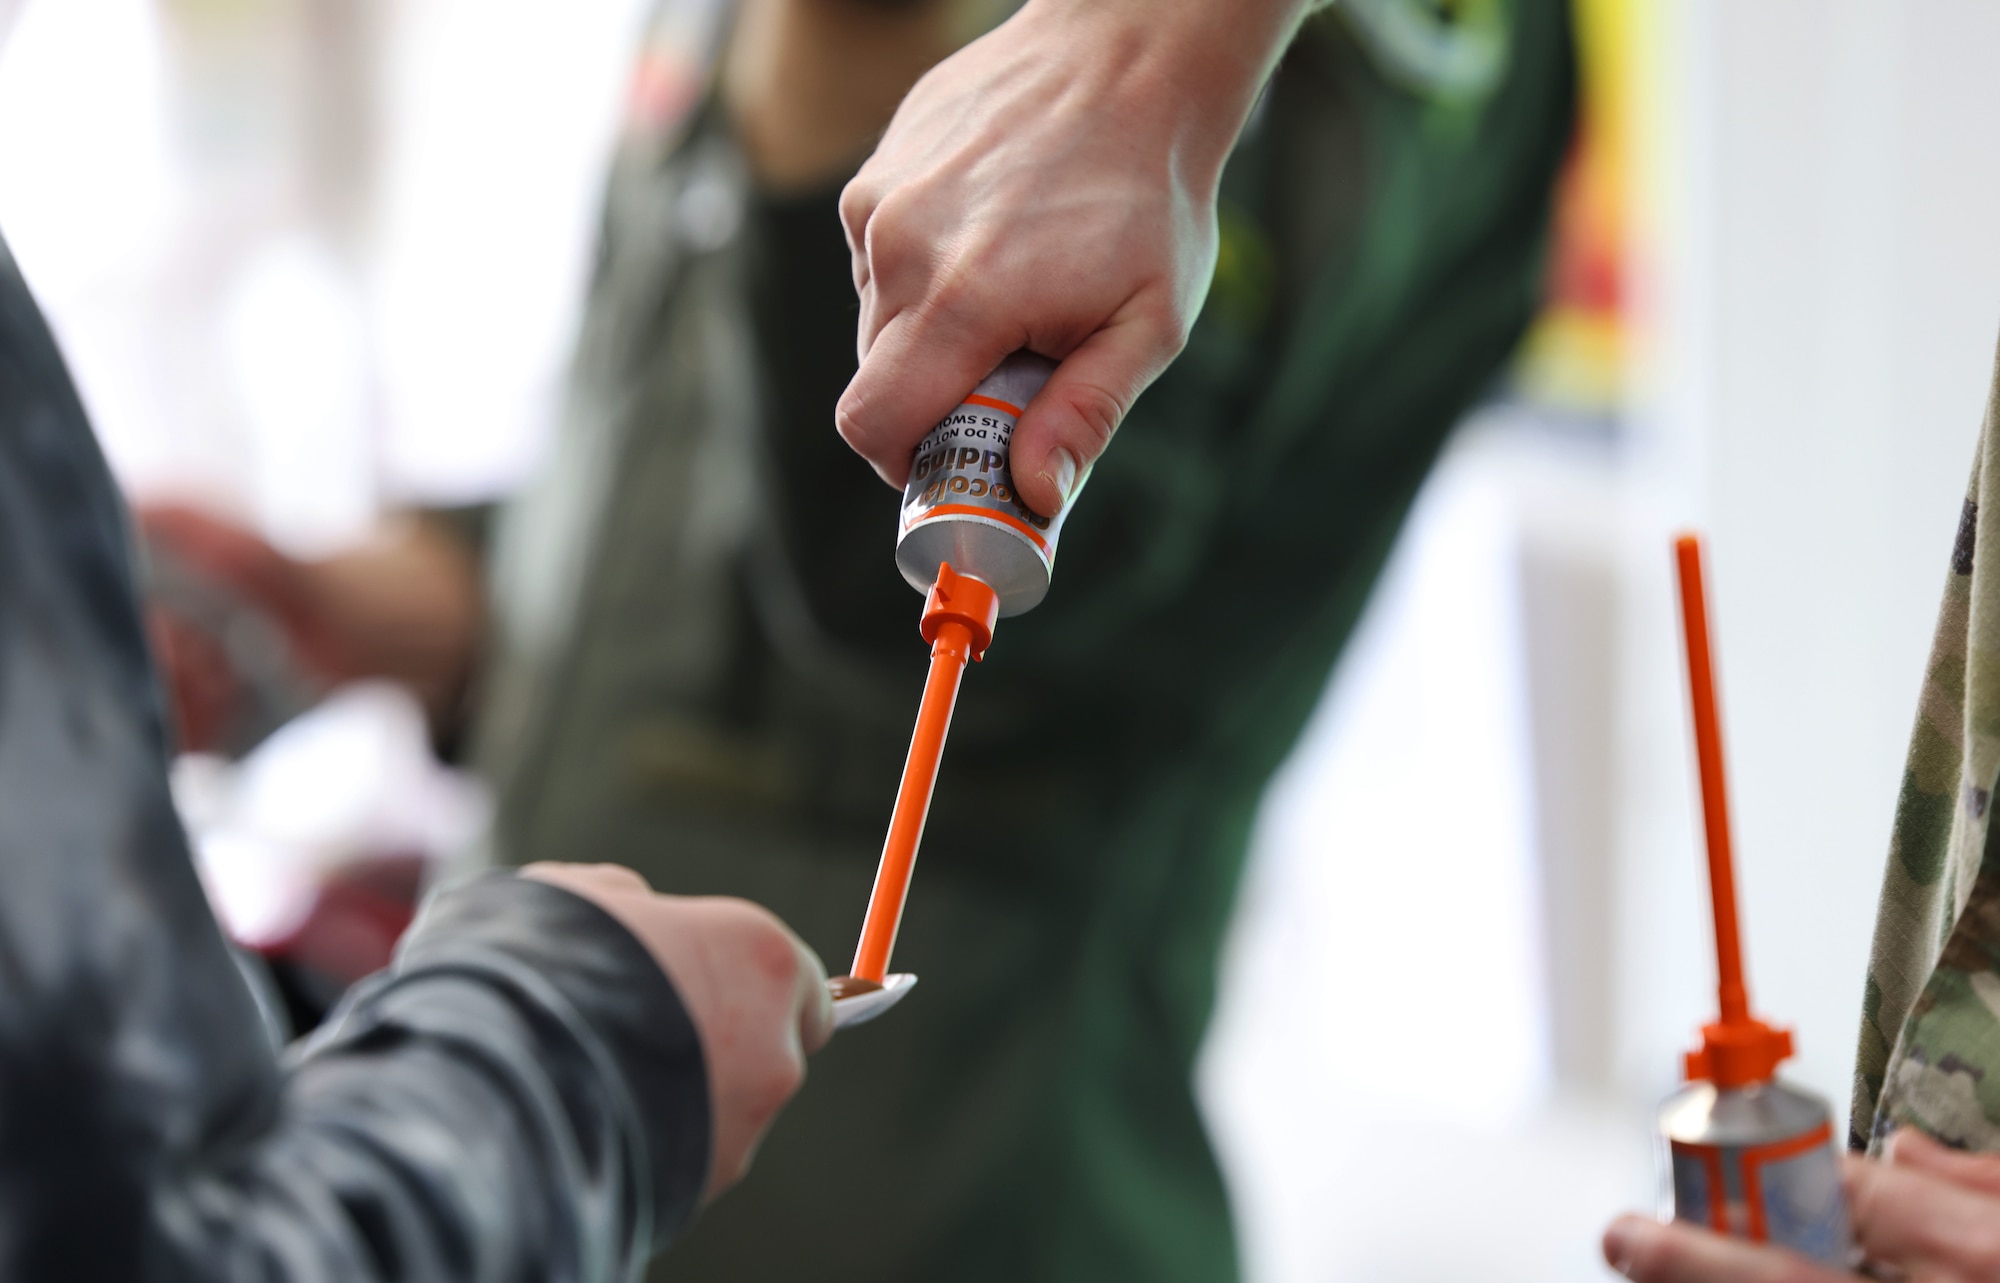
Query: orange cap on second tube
point(1738, 1049)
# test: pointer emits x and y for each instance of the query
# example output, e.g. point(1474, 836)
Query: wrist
point(810, 83)
point(1194, 66)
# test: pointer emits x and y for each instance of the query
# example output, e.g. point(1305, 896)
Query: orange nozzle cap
point(1737, 1049)
point(1739, 1053)
point(961, 599)
point(959, 616)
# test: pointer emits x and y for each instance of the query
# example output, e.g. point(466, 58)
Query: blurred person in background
point(560, 1067)
point(689, 650)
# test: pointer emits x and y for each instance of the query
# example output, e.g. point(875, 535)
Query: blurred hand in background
point(238, 623)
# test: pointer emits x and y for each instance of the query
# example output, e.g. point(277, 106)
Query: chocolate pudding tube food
point(1745, 1154)
point(979, 554)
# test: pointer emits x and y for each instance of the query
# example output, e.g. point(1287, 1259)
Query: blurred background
point(314, 261)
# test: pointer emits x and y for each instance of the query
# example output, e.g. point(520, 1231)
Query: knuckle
point(739, 910)
point(780, 1085)
point(889, 235)
point(769, 951)
point(858, 203)
point(888, 210)
point(850, 419)
point(1172, 327)
point(777, 958)
point(955, 294)
point(980, 255)
point(1098, 413)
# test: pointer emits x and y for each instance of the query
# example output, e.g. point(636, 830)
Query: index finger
point(1913, 1218)
point(918, 370)
point(1911, 1149)
point(816, 1005)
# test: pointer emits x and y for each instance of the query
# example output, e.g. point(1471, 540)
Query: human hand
point(404, 604)
point(756, 993)
point(1051, 186)
point(1926, 1214)
point(235, 636)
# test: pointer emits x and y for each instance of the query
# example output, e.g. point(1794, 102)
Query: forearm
point(811, 83)
point(408, 604)
point(1191, 67)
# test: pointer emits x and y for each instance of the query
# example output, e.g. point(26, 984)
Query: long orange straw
point(1738, 1050)
point(1714, 797)
point(958, 622)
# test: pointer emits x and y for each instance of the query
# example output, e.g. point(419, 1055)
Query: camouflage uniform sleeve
point(1930, 1027)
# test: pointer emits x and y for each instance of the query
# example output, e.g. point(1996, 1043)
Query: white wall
point(309, 258)
point(1827, 343)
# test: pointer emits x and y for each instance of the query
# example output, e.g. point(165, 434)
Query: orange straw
point(1714, 796)
point(1737, 1049)
point(958, 621)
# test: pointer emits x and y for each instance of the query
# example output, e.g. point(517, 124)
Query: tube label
point(961, 470)
point(1786, 1192)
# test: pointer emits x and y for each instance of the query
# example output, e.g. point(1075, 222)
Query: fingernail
point(1064, 476)
point(1618, 1246)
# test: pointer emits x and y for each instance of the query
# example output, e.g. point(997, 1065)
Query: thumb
point(815, 1004)
point(1070, 423)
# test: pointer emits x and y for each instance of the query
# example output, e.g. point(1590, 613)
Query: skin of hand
point(1050, 186)
point(1926, 1214)
point(811, 84)
point(756, 993)
point(406, 603)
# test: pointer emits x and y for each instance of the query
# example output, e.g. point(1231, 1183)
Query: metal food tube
point(959, 504)
point(1744, 1154)
point(1757, 1163)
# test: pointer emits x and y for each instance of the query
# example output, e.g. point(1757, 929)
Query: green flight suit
point(712, 674)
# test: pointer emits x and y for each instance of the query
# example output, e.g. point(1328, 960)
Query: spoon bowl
point(860, 1008)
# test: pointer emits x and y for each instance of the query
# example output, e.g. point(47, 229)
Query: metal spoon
point(860, 1008)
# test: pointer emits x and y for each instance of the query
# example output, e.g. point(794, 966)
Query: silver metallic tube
point(959, 503)
point(1758, 1163)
